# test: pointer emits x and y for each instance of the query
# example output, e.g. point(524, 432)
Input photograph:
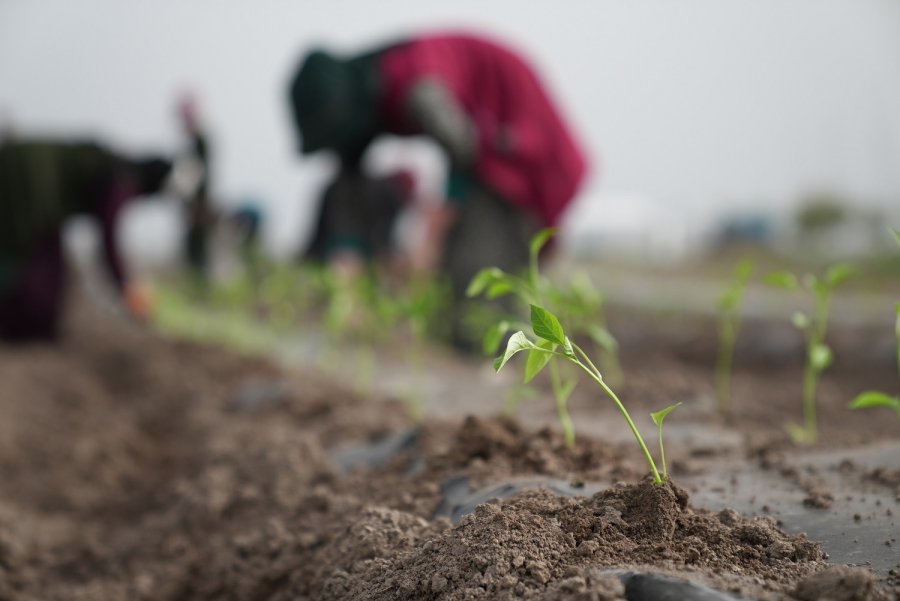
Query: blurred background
point(704, 121)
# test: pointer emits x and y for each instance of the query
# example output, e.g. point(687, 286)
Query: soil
point(135, 467)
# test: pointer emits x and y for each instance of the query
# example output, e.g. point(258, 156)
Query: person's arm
point(108, 211)
point(433, 108)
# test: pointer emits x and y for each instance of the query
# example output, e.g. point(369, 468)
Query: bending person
point(43, 183)
point(514, 164)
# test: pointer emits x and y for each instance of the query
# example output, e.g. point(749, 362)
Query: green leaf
point(839, 273)
point(545, 325)
point(517, 342)
point(896, 235)
point(782, 279)
point(820, 357)
point(483, 279)
point(800, 320)
point(875, 398)
point(743, 270)
point(540, 239)
point(660, 415)
point(494, 336)
point(538, 358)
point(603, 338)
point(729, 299)
point(499, 288)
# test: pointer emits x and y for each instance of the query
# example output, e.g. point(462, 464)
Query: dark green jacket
point(42, 184)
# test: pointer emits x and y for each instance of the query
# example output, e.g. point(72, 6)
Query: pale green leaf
point(743, 270)
point(545, 325)
point(782, 279)
point(517, 342)
point(875, 398)
point(820, 357)
point(482, 280)
point(500, 287)
point(494, 336)
point(538, 358)
point(837, 274)
point(660, 415)
point(800, 320)
point(729, 299)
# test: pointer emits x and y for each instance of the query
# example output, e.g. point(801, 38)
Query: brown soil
point(127, 473)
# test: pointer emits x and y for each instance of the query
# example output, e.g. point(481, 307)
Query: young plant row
point(814, 325)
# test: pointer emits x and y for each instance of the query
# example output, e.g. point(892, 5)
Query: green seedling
point(658, 418)
point(419, 304)
point(875, 398)
point(552, 343)
point(818, 355)
point(581, 304)
point(494, 283)
point(729, 322)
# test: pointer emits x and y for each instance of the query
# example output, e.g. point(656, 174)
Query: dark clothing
point(31, 305)
point(44, 183)
point(487, 231)
point(41, 185)
point(199, 212)
point(357, 213)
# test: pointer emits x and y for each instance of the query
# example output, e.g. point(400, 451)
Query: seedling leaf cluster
point(814, 327)
point(552, 347)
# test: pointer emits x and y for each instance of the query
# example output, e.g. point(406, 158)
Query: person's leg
point(488, 232)
point(32, 308)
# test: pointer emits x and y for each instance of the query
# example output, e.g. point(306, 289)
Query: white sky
point(690, 106)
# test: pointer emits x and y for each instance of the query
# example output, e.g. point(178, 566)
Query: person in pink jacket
point(514, 164)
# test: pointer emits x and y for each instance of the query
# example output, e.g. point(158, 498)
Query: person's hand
point(138, 298)
point(436, 222)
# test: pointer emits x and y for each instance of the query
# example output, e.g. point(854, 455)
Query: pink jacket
point(498, 90)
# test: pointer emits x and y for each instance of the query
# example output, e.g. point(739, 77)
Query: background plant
point(876, 398)
point(814, 326)
point(530, 289)
point(729, 323)
point(580, 303)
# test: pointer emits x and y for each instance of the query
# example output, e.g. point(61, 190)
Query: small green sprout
point(729, 309)
point(552, 343)
point(581, 305)
point(818, 355)
point(875, 398)
point(658, 418)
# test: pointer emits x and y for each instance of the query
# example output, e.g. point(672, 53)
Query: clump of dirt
point(885, 477)
point(527, 547)
point(839, 583)
point(494, 448)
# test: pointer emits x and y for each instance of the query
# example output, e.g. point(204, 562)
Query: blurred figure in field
point(43, 183)
point(357, 214)
point(246, 224)
point(514, 165)
point(200, 216)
